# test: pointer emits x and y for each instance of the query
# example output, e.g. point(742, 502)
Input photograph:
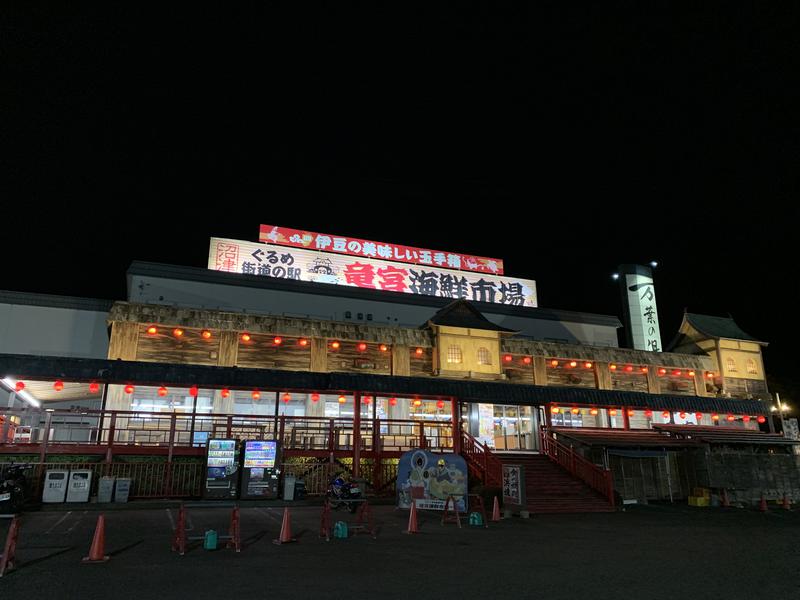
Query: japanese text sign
point(268, 260)
point(645, 332)
point(283, 236)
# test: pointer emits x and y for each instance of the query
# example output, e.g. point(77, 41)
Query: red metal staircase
point(481, 462)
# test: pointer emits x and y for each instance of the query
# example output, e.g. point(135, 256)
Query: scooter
point(345, 494)
point(13, 488)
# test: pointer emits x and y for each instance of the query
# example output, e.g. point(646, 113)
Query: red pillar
point(455, 410)
point(356, 434)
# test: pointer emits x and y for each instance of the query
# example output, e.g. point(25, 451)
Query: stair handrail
point(596, 477)
point(481, 458)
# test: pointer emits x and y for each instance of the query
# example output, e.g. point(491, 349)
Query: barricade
point(447, 517)
point(8, 561)
point(180, 539)
point(363, 523)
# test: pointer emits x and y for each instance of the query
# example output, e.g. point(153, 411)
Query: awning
point(725, 435)
point(610, 438)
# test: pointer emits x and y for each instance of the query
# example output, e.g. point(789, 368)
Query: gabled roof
point(461, 313)
point(719, 327)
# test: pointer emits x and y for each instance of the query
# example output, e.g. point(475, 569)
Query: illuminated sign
point(641, 297)
point(260, 454)
point(268, 260)
point(297, 238)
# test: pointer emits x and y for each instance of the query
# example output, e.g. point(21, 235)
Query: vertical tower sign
point(639, 307)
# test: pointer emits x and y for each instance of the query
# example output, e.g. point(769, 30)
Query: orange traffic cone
point(725, 501)
point(8, 560)
point(413, 526)
point(286, 529)
point(496, 510)
point(762, 506)
point(325, 522)
point(235, 533)
point(97, 551)
point(787, 504)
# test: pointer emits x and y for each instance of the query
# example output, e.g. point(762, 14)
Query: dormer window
point(454, 355)
point(731, 364)
point(752, 369)
point(484, 356)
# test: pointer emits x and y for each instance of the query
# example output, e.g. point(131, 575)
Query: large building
point(397, 356)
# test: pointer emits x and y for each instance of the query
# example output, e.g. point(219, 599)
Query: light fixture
point(58, 385)
point(277, 340)
point(129, 389)
point(593, 411)
point(573, 364)
point(419, 351)
point(665, 415)
point(612, 412)
point(629, 368)
point(698, 415)
point(225, 392)
point(555, 410)
point(342, 399)
point(653, 263)
point(714, 417)
point(631, 412)
point(205, 334)
point(287, 397)
point(662, 371)
point(440, 404)
point(315, 397)
point(162, 391)
point(393, 401)
point(417, 402)
point(612, 367)
point(526, 360)
point(730, 418)
point(152, 330)
point(575, 410)
point(177, 332)
point(615, 276)
point(246, 337)
point(508, 358)
point(648, 413)
point(384, 348)
point(256, 395)
point(361, 347)
point(761, 419)
point(335, 345)
point(366, 399)
point(193, 390)
point(644, 369)
point(21, 393)
point(553, 363)
point(587, 365)
point(302, 342)
point(94, 387)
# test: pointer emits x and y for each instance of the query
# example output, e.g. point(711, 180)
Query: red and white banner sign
point(297, 238)
point(269, 260)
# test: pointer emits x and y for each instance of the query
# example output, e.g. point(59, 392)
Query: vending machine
point(222, 469)
point(261, 470)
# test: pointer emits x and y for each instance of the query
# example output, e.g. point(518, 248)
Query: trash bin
point(79, 486)
point(299, 489)
point(55, 485)
point(288, 487)
point(122, 489)
point(105, 489)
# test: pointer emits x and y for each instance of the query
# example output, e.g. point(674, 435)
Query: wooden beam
point(124, 341)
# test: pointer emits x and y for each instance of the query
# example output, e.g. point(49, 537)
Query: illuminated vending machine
point(222, 469)
point(261, 472)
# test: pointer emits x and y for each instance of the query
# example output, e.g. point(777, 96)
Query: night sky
point(565, 140)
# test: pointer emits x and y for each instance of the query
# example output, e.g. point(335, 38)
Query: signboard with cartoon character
point(428, 479)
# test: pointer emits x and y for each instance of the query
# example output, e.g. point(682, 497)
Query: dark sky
point(563, 139)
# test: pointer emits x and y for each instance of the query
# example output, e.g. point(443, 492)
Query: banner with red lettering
point(269, 260)
point(297, 238)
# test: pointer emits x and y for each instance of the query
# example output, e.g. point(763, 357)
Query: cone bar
point(496, 511)
point(325, 522)
point(179, 540)
point(413, 526)
point(97, 553)
point(235, 533)
point(451, 518)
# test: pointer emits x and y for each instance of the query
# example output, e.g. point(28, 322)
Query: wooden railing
point(597, 478)
point(481, 462)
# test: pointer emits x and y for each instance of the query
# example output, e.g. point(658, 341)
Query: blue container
point(210, 540)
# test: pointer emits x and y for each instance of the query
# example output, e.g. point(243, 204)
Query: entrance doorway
point(503, 427)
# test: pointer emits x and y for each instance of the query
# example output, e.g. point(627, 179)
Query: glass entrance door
point(513, 427)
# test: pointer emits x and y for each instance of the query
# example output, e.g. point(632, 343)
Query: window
point(484, 358)
point(751, 367)
point(731, 364)
point(454, 355)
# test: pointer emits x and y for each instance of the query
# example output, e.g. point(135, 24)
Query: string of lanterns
point(648, 413)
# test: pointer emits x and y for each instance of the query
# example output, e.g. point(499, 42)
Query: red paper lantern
point(19, 386)
point(648, 413)
point(225, 392)
point(676, 372)
point(177, 332)
point(690, 373)
point(393, 401)
point(613, 367)
point(553, 363)
point(152, 330)
point(419, 351)
point(573, 363)
point(593, 411)
point(58, 385)
point(303, 342)
point(384, 348)
point(526, 360)
point(287, 398)
point(730, 418)
point(417, 402)
point(612, 412)
point(256, 395)
point(128, 389)
point(555, 410)
point(277, 340)
point(366, 399)
point(246, 337)
point(631, 412)
point(714, 417)
point(761, 419)
point(587, 365)
point(662, 371)
point(665, 415)
point(508, 358)
point(698, 415)
point(644, 369)
point(193, 390)
point(682, 415)
point(746, 418)
point(94, 387)
point(628, 368)
point(315, 397)
point(575, 410)
point(342, 399)
point(362, 347)
point(205, 334)
point(162, 391)
point(440, 404)
point(710, 375)
point(335, 345)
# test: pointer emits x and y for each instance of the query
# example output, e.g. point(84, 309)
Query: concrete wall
point(162, 290)
point(54, 331)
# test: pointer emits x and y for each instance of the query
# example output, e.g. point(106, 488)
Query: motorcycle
point(13, 488)
point(345, 494)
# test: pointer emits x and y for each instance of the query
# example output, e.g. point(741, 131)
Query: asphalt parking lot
point(647, 552)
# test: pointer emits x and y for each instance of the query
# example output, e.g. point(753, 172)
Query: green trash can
point(340, 530)
point(475, 518)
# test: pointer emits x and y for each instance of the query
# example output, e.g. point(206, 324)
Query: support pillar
point(455, 411)
point(356, 434)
